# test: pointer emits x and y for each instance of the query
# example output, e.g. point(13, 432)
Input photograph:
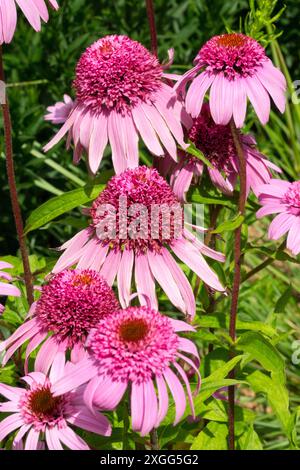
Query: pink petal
point(163, 400)
point(221, 100)
point(182, 283)
point(52, 439)
point(150, 408)
point(280, 225)
point(81, 373)
point(146, 131)
point(165, 279)
point(190, 256)
point(98, 141)
point(187, 384)
point(161, 128)
point(239, 102)
point(196, 93)
point(177, 393)
point(96, 423)
point(124, 277)
point(110, 267)
point(46, 355)
point(293, 239)
point(68, 437)
point(259, 98)
point(32, 439)
point(10, 424)
point(145, 283)
point(137, 406)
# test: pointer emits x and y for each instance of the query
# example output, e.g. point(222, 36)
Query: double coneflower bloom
point(120, 97)
point(136, 228)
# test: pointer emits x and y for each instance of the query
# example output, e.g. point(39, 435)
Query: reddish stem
point(13, 189)
point(237, 273)
point(151, 20)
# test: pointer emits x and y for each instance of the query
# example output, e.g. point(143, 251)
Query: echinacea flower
point(38, 412)
point(70, 305)
point(136, 220)
point(235, 67)
point(282, 198)
point(140, 350)
point(5, 287)
point(34, 10)
point(216, 143)
point(120, 95)
point(59, 112)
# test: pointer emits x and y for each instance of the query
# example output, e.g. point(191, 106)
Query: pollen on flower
point(40, 408)
point(133, 330)
point(215, 141)
point(292, 198)
point(116, 73)
point(148, 199)
point(231, 40)
point(135, 345)
point(42, 401)
point(236, 55)
point(73, 302)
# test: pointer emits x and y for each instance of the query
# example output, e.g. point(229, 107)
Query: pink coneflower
point(282, 198)
point(71, 304)
point(217, 144)
point(5, 287)
point(235, 67)
point(59, 112)
point(146, 221)
point(39, 413)
point(34, 10)
point(120, 94)
point(138, 348)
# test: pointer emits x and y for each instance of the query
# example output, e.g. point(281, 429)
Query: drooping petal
point(125, 276)
point(177, 393)
point(145, 283)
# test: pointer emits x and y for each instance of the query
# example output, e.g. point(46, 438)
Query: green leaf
point(60, 205)
point(249, 440)
point(229, 225)
point(262, 350)
point(212, 437)
point(277, 395)
point(192, 150)
point(221, 320)
point(283, 300)
point(196, 196)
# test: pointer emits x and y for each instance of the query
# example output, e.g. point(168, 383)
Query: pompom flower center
point(133, 330)
point(135, 345)
point(73, 302)
point(138, 210)
point(231, 40)
point(292, 198)
point(234, 55)
point(42, 402)
point(39, 407)
point(213, 140)
point(116, 73)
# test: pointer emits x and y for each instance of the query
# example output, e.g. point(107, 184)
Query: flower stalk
point(152, 26)
point(237, 272)
point(13, 189)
